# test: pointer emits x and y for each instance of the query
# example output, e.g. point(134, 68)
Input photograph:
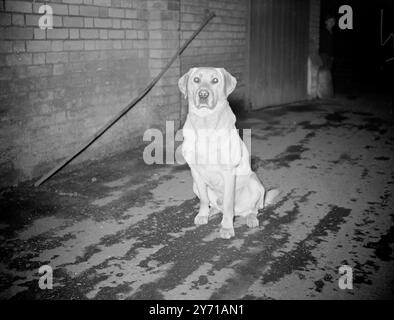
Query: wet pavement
point(120, 229)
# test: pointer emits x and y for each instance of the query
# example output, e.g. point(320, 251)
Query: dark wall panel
point(279, 37)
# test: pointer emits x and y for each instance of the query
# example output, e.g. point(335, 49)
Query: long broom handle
point(125, 109)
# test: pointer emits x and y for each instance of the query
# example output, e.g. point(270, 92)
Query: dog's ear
point(229, 82)
point(182, 82)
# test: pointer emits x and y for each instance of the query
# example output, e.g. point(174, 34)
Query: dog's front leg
point(227, 229)
point(203, 212)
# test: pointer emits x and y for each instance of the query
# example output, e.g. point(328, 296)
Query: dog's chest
point(213, 148)
point(212, 154)
point(212, 176)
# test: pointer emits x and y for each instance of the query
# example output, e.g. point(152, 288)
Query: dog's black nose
point(203, 94)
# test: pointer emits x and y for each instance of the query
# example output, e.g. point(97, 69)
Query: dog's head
point(206, 88)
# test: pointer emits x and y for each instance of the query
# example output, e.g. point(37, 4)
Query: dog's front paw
point(226, 233)
point(201, 219)
point(252, 221)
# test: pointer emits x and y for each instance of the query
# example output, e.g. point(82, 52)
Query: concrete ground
point(120, 229)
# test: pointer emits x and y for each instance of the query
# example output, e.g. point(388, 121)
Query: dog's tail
point(269, 197)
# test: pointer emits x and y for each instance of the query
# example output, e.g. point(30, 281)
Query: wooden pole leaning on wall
point(125, 109)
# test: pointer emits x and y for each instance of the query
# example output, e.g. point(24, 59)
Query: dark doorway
point(361, 59)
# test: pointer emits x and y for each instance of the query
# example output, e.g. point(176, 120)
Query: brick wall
point(163, 26)
point(59, 86)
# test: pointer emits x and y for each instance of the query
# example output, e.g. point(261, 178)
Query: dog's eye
point(215, 80)
point(196, 80)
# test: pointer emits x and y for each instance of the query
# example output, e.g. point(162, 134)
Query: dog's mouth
point(203, 103)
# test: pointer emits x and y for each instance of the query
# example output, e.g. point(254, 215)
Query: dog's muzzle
point(203, 99)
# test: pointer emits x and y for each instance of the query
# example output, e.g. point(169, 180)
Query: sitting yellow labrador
point(219, 160)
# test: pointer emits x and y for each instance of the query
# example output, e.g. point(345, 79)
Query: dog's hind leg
point(270, 195)
point(248, 201)
point(252, 221)
point(251, 218)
